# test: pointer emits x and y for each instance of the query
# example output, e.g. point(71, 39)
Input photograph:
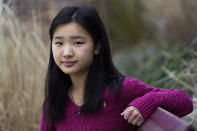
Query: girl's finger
point(139, 123)
point(127, 114)
point(136, 120)
point(122, 113)
point(131, 118)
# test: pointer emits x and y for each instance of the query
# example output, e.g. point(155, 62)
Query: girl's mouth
point(68, 63)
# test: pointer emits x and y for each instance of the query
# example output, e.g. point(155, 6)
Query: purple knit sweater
point(107, 118)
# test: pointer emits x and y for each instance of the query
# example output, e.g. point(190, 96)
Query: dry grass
point(24, 59)
point(174, 19)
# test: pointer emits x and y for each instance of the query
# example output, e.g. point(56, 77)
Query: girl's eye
point(78, 43)
point(58, 43)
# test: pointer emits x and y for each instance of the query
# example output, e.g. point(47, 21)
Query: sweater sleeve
point(44, 126)
point(148, 98)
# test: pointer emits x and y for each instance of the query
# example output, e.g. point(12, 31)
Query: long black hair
point(102, 71)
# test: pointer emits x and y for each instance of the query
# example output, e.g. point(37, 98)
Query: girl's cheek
point(56, 52)
point(56, 56)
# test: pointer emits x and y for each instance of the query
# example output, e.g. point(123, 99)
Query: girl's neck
point(76, 92)
point(78, 82)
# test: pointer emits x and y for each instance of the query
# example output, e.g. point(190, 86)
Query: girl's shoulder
point(131, 81)
point(132, 87)
point(129, 86)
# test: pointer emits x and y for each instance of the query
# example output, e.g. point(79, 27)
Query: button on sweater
point(107, 117)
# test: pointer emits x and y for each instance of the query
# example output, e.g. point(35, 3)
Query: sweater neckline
point(73, 103)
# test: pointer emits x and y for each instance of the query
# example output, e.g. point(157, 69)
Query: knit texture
point(133, 93)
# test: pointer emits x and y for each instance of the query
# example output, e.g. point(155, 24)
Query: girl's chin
point(70, 72)
point(73, 73)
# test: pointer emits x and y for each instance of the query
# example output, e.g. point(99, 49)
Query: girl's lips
point(69, 63)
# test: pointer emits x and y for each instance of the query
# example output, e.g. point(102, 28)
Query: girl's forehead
point(71, 37)
point(71, 29)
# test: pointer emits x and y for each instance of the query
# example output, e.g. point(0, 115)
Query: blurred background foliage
point(124, 22)
point(153, 40)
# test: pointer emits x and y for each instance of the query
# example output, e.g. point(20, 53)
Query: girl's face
point(72, 48)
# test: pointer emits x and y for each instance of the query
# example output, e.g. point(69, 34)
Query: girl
point(85, 92)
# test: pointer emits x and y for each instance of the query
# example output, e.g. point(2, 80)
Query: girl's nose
point(68, 51)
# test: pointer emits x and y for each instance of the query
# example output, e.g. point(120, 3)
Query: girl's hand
point(132, 115)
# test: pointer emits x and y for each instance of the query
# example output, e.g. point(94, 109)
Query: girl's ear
point(97, 49)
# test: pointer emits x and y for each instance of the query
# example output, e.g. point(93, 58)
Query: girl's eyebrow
point(77, 37)
point(71, 37)
point(58, 37)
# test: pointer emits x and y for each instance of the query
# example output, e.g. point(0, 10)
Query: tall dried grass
point(23, 62)
point(174, 19)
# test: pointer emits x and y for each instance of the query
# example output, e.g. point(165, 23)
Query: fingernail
point(121, 114)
